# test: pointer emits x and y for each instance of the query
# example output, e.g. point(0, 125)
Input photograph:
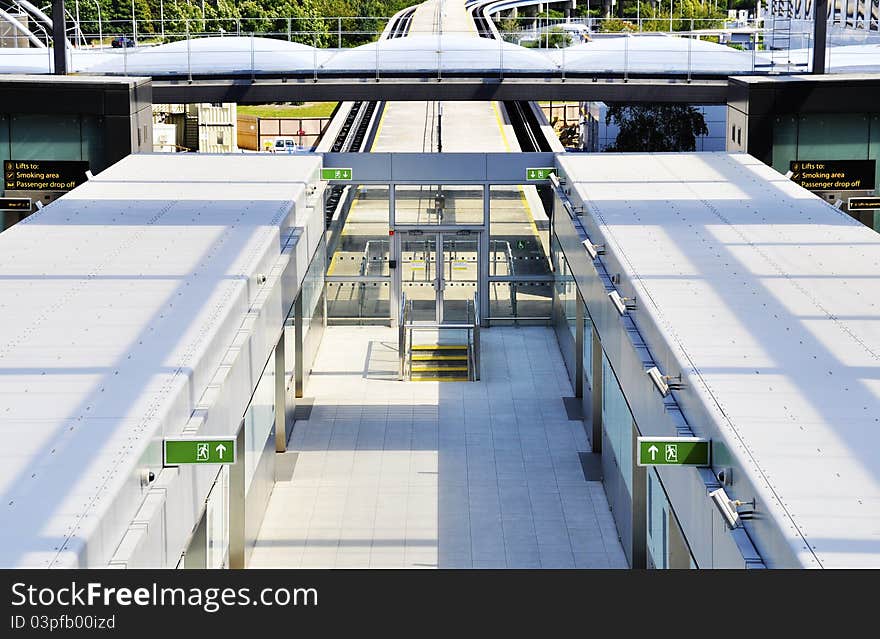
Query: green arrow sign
point(198, 450)
point(336, 174)
point(539, 173)
point(673, 451)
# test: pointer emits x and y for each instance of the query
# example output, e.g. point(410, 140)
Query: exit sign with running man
point(539, 173)
point(673, 451)
point(177, 451)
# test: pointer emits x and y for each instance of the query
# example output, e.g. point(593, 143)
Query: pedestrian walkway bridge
point(437, 56)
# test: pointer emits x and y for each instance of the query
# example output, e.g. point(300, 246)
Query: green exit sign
point(539, 173)
point(336, 174)
point(198, 450)
point(673, 451)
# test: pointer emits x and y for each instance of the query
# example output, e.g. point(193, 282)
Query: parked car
point(120, 42)
point(286, 145)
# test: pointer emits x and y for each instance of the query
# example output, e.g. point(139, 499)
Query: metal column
point(820, 29)
point(237, 506)
point(483, 257)
point(59, 37)
point(596, 390)
point(280, 395)
point(299, 374)
point(639, 539)
point(579, 346)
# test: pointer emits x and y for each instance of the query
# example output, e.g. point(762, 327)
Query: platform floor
point(396, 474)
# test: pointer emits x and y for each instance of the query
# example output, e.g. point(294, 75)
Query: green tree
point(656, 127)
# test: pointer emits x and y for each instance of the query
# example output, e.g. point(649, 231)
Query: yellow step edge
point(439, 379)
point(439, 358)
point(438, 369)
point(438, 347)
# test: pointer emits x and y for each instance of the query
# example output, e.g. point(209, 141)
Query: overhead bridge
point(477, 88)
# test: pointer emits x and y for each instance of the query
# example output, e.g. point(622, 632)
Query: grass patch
point(304, 110)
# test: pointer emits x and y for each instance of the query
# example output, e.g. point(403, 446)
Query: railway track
point(360, 120)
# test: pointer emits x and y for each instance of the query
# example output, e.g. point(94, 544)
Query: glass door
point(439, 274)
point(418, 274)
point(460, 274)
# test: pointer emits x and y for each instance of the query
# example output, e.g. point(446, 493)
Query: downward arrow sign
point(653, 450)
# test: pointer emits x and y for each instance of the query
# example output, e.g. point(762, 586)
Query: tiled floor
point(423, 474)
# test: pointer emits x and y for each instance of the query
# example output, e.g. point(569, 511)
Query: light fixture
point(555, 182)
point(725, 506)
point(89, 175)
point(39, 205)
point(593, 250)
point(728, 507)
point(664, 383)
point(622, 304)
point(659, 381)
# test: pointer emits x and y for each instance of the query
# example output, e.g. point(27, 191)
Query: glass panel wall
point(259, 418)
point(512, 300)
point(518, 232)
point(617, 422)
point(588, 347)
point(826, 136)
point(566, 290)
point(520, 274)
point(358, 302)
point(358, 238)
point(359, 245)
point(217, 522)
point(434, 204)
point(312, 296)
point(41, 136)
point(658, 518)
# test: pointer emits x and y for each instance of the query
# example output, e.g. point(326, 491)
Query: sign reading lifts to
point(834, 175)
point(43, 175)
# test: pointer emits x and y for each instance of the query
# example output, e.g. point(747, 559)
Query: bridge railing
point(348, 45)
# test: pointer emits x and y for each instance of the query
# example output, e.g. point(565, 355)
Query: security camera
point(261, 278)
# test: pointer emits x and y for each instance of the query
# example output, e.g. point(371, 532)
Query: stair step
point(438, 369)
point(427, 378)
point(439, 358)
point(439, 347)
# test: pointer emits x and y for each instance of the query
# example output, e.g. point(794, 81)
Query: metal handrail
point(476, 347)
point(406, 327)
point(401, 337)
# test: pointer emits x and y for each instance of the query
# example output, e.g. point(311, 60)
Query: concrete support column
point(59, 37)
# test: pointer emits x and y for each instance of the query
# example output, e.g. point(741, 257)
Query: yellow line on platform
point(379, 127)
point(522, 193)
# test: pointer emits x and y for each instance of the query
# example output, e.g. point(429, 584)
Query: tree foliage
point(656, 127)
point(321, 22)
